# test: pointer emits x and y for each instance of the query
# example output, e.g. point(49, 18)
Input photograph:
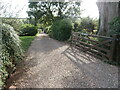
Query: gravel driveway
point(53, 64)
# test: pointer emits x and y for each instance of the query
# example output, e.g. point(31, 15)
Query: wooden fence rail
point(101, 46)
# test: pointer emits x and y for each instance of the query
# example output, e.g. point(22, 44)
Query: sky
point(89, 7)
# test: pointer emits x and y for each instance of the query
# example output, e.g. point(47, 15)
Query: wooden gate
point(100, 46)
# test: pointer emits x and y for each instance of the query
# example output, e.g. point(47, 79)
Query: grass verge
point(26, 41)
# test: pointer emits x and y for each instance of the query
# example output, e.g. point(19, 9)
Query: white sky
point(89, 6)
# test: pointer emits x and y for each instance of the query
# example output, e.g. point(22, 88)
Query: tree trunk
point(35, 21)
point(107, 11)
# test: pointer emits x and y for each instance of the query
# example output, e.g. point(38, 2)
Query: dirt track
point(53, 64)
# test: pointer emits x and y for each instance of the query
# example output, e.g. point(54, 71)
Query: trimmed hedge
point(28, 30)
point(61, 30)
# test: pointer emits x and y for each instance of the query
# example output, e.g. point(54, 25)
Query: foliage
point(76, 26)
point(7, 8)
point(61, 30)
point(10, 48)
point(14, 22)
point(11, 52)
point(26, 41)
point(28, 30)
point(86, 25)
point(115, 26)
point(47, 12)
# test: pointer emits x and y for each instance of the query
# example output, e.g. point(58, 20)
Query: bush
point(15, 23)
point(28, 30)
point(11, 51)
point(86, 25)
point(115, 26)
point(61, 30)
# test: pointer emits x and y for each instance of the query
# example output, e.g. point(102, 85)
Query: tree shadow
point(88, 72)
point(92, 73)
point(79, 56)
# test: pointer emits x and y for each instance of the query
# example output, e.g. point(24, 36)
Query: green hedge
point(11, 52)
point(115, 26)
point(28, 30)
point(61, 30)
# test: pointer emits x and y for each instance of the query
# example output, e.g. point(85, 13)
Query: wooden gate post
point(118, 48)
point(71, 38)
point(113, 48)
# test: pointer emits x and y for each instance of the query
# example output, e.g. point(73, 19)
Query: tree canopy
point(47, 12)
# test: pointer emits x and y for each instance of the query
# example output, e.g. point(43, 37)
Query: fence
point(100, 46)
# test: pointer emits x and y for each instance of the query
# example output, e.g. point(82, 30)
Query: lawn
point(26, 41)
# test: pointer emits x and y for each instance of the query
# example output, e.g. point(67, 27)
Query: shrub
point(86, 25)
point(11, 51)
point(115, 26)
point(15, 23)
point(28, 30)
point(61, 30)
point(48, 29)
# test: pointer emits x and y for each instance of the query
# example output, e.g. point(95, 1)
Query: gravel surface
point(53, 64)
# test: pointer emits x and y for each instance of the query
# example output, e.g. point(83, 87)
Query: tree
point(40, 10)
point(107, 11)
point(73, 10)
point(86, 25)
point(48, 12)
point(10, 11)
point(33, 11)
